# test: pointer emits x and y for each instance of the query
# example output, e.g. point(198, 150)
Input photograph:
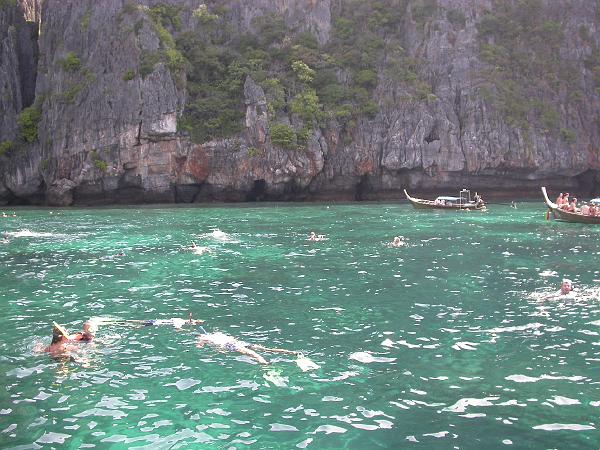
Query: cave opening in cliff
point(258, 191)
point(363, 187)
point(589, 182)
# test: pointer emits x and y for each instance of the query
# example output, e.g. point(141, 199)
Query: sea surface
point(446, 342)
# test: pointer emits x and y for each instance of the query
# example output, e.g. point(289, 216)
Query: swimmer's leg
point(252, 354)
point(273, 350)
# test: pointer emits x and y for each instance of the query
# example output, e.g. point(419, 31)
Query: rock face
point(107, 131)
point(18, 66)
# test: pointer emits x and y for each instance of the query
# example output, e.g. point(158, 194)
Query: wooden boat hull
point(566, 216)
point(419, 203)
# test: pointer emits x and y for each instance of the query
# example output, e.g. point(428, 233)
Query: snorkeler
point(225, 342)
point(198, 250)
point(59, 347)
point(397, 242)
point(565, 291)
point(173, 322)
point(87, 334)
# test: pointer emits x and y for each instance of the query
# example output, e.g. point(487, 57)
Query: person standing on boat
point(478, 200)
point(559, 199)
point(565, 201)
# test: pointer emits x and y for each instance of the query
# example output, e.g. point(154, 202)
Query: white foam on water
point(304, 443)
point(529, 326)
point(562, 401)
point(388, 343)
point(28, 233)
point(276, 379)
point(406, 344)
point(464, 403)
point(527, 379)
point(563, 426)
point(219, 235)
point(465, 346)
point(21, 372)
point(53, 438)
point(438, 435)
point(328, 429)
point(364, 426)
point(368, 358)
point(306, 364)
point(282, 427)
point(184, 383)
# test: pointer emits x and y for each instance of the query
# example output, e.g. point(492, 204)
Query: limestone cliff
point(187, 100)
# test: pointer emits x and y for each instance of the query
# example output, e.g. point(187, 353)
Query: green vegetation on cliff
point(5, 147)
point(303, 81)
point(28, 121)
point(8, 4)
point(521, 43)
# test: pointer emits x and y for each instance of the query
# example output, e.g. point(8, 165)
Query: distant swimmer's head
point(566, 286)
point(90, 327)
point(58, 333)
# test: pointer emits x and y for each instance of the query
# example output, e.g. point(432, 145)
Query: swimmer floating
point(225, 342)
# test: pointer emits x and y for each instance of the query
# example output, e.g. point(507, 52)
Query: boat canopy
point(449, 199)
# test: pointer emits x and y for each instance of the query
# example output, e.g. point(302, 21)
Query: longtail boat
point(567, 216)
point(463, 201)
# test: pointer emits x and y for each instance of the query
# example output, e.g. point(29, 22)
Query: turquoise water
point(442, 343)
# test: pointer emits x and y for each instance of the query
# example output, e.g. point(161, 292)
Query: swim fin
point(306, 363)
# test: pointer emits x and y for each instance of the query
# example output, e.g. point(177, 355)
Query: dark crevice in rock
point(433, 135)
point(258, 191)
point(293, 191)
point(459, 117)
point(28, 61)
point(363, 187)
point(589, 183)
point(186, 193)
point(138, 139)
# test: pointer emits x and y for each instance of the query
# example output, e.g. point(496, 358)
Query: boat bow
point(550, 203)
